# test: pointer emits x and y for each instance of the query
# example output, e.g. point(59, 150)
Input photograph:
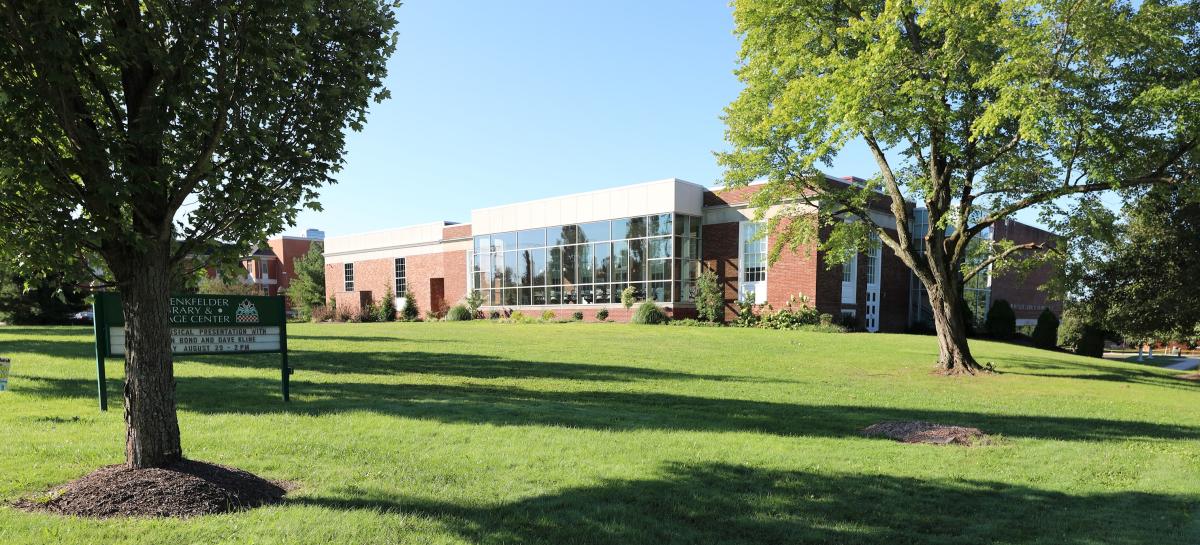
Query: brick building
point(272, 265)
point(578, 252)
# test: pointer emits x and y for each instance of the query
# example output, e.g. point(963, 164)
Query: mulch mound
point(926, 432)
point(186, 489)
point(1193, 376)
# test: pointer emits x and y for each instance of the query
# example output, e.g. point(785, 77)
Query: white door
point(871, 320)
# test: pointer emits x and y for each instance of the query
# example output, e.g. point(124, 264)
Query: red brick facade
point(1023, 291)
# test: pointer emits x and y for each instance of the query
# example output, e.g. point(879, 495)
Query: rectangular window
point(637, 260)
point(562, 235)
point(348, 272)
point(659, 247)
point(754, 253)
point(584, 258)
point(568, 264)
point(524, 268)
point(503, 242)
point(554, 267)
point(596, 231)
point(539, 267)
point(510, 270)
point(873, 261)
point(531, 238)
point(620, 263)
point(658, 225)
point(603, 262)
point(401, 280)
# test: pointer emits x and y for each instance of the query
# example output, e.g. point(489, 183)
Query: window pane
point(483, 244)
point(497, 270)
point(660, 292)
point(660, 269)
point(694, 226)
point(510, 296)
point(603, 262)
point(568, 265)
point(554, 266)
point(555, 295)
point(687, 248)
point(585, 295)
point(584, 259)
point(687, 292)
point(532, 238)
point(524, 296)
point(637, 260)
point(539, 267)
point(562, 235)
point(596, 231)
point(600, 293)
point(620, 261)
point(502, 242)
point(754, 253)
point(568, 295)
point(510, 269)
point(658, 225)
point(637, 228)
point(494, 297)
point(524, 268)
point(539, 296)
point(659, 247)
point(681, 224)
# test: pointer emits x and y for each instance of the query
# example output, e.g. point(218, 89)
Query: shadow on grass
point(1038, 367)
point(720, 503)
point(605, 410)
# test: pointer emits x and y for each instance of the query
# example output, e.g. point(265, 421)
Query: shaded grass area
point(607, 433)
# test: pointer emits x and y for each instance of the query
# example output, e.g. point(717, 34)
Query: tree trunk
point(151, 426)
point(954, 354)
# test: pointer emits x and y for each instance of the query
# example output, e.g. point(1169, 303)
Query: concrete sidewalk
point(1186, 365)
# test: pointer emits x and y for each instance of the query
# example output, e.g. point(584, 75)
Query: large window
point(590, 263)
point(401, 281)
point(348, 276)
point(754, 253)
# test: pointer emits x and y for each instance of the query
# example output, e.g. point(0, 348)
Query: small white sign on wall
point(5, 367)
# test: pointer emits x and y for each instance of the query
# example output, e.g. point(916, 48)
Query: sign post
point(5, 368)
point(201, 324)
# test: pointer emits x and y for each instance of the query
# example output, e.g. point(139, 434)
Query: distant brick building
point(272, 266)
point(578, 252)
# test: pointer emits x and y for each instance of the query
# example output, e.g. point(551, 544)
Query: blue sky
point(498, 102)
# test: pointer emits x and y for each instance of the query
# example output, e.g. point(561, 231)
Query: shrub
point(577, 316)
point(548, 316)
point(342, 315)
point(710, 299)
point(320, 313)
point(745, 312)
point(368, 313)
point(518, 317)
point(628, 297)
point(825, 319)
point(794, 314)
point(1001, 321)
point(692, 322)
point(602, 315)
point(410, 312)
point(473, 301)
point(1045, 335)
point(432, 316)
point(1091, 342)
point(648, 313)
point(495, 315)
point(387, 307)
point(459, 313)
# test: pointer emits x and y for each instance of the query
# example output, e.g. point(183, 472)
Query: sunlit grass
point(613, 433)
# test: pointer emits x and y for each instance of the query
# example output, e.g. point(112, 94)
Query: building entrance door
point(871, 320)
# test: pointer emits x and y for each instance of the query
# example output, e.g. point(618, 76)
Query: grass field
point(622, 434)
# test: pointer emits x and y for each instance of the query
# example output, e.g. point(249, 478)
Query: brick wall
point(1023, 291)
point(377, 275)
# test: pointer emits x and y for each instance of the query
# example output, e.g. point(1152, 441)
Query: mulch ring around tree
point(1193, 376)
point(927, 432)
point(186, 489)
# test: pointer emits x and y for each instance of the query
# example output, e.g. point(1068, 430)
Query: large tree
point(973, 109)
point(1133, 272)
point(140, 133)
point(307, 287)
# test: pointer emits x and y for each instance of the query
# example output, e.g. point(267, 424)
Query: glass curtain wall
point(590, 263)
point(977, 292)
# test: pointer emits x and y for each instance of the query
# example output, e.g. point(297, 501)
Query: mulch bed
point(926, 432)
point(1193, 376)
point(186, 489)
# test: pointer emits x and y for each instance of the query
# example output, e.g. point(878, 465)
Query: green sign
point(201, 324)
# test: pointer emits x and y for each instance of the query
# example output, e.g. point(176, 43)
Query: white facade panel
point(670, 195)
point(425, 238)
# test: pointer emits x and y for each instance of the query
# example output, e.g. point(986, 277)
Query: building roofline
point(591, 192)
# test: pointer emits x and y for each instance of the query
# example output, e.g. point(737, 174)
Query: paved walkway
point(1186, 365)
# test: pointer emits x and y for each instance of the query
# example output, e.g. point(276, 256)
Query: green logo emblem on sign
point(247, 313)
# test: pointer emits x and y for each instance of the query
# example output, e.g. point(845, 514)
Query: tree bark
point(954, 354)
point(151, 425)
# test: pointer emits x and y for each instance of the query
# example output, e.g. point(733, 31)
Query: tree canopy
point(972, 109)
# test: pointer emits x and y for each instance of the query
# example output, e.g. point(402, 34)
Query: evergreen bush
point(410, 312)
point(1045, 335)
point(459, 313)
point(710, 299)
point(602, 315)
point(387, 307)
point(1001, 321)
point(577, 316)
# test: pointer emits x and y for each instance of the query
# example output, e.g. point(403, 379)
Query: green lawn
point(622, 434)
